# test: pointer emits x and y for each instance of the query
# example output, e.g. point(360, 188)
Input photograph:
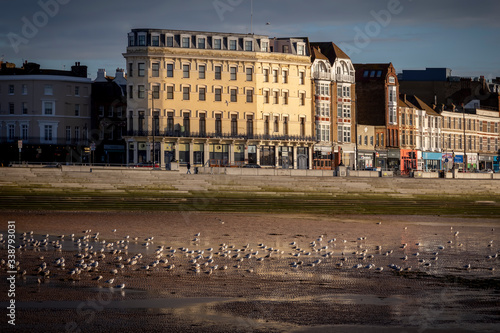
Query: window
point(403, 120)
point(301, 78)
point(77, 110)
point(25, 108)
point(249, 96)
point(339, 110)
point(131, 40)
point(410, 116)
point(140, 92)
point(234, 95)
point(11, 134)
point(77, 133)
point(285, 125)
point(264, 47)
point(170, 92)
point(232, 44)
point(371, 140)
point(170, 122)
point(346, 91)
point(48, 108)
point(218, 124)
point(203, 124)
point(170, 70)
point(202, 93)
point(217, 44)
point(302, 126)
point(142, 40)
point(185, 42)
point(265, 72)
point(392, 115)
point(155, 69)
point(347, 111)
point(276, 97)
point(156, 91)
point(101, 111)
point(47, 90)
point(24, 89)
point(285, 98)
point(185, 93)
point(489, 144)
point(185, 122)
point(218, 94)
point(130, 69)
point(47, 132)
point(201, 71)
point(323, 132)
point(218, 70)
point(201, 43)
point(275, 76)
point(266, 96)
point(11, 89)
point(300, 49)
point(155, 40)
point(119, 112)
point(276, 124)
point(185, 71)
point(170, 41)
point(285, 48)
point(284, 75)
point(234, 125)
point(232, 71)
point(249, 72)
point(392, 94)
point(141, 67)
point(266, 125)
point(347, 134)
point(11, 108)
point(24, 132)
point(77, 91)
point(302, 97)
point(248, 45)
point(322, 89)
point(250, 126)
point(366, 73)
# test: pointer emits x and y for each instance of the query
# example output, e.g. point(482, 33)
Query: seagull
point(120, 286)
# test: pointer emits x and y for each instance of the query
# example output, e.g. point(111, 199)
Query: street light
point(465, 140)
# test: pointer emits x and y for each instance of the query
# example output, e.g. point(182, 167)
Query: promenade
point(79, 188)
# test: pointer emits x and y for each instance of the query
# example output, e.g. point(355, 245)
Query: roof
point(330, 50)
point(379, 71)
point(316, 54)
point(419, 104)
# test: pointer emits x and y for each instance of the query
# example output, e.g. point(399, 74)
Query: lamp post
point(465, 140)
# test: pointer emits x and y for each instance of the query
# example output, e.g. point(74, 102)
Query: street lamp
point(465, 140)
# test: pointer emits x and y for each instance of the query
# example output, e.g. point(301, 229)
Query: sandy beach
point(253, 272)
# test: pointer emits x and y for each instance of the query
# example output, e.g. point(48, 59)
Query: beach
point(254, 272)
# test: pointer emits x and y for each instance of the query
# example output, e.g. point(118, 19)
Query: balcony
point(181, 134)
point(321, 76)
point(344, 78)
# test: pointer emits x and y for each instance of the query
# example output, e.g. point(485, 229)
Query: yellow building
point(219, 99)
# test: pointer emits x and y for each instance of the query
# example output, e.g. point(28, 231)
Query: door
point(302, 161)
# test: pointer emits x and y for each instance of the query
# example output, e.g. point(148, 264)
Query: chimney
point(101, 75)
point(120, 77)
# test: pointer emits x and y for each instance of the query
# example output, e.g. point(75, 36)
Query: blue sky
point(412, 34)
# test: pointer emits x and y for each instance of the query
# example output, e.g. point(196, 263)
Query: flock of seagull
point(105, 262)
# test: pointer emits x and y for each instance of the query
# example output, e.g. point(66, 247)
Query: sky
point(462, 35)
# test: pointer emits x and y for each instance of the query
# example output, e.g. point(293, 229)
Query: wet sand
point(358, 282)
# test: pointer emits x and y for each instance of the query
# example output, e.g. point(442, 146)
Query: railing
point(181, 134)
point(321, 76)
point(37, 141)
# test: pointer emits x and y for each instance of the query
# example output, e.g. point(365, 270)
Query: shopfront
point(268, 155)
point(393, 157)
point(285, 157)
point(239, 155)
point(458, 161)
point(432, 161)
point(472, 161)
point(486, 162)
point(408, 160)
point(252, 154)
point(381, 160)
point(447, 161)
point(198, 154)
point(219, 154)
point(365, 160)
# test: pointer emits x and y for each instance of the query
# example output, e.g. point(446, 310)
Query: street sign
point(92, 146)
point(86, 150)
point(446, 160)
point(20, 144)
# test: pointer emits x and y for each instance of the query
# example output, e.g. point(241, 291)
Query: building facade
point(45, 112)
point(218, 99)
point(333, 78)
point(377, 91)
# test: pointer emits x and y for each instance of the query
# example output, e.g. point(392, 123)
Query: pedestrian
point(188, 168)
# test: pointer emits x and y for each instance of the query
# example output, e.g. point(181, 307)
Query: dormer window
point(264, 46)
point(301, 49)
point(201, 42)
point(232, 44)
point(185, 42)
point(155, 40)
point(217, 44)
point(142, 39)
point(131, 39)
point(248, 45)
point(169, 40)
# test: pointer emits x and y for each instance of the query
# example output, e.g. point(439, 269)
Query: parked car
point(256, 166)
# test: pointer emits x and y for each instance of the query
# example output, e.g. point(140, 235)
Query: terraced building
point(218, 99)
